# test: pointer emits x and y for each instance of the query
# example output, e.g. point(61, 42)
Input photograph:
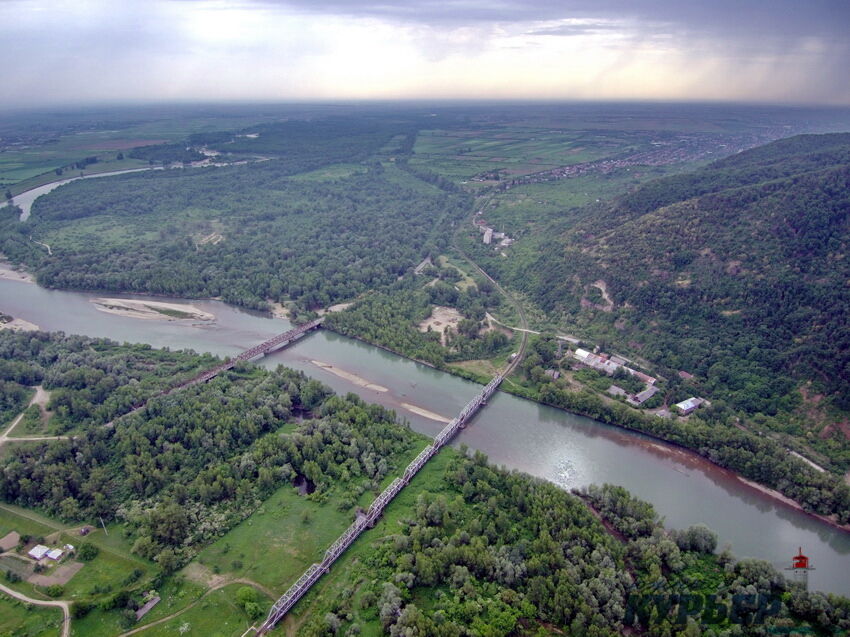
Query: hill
point(736, 273)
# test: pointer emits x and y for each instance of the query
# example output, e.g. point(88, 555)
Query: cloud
point(574, 28)
point(91, 50)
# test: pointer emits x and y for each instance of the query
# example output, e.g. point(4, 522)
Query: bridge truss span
point(376, 509)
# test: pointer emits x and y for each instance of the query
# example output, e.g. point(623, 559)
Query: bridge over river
point(367, 520)
point(364, 520)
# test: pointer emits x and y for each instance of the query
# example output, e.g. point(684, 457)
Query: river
point(26, 199)
point(564, 448)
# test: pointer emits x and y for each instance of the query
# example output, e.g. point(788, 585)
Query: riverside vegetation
point(342, 208)
point(467, 549)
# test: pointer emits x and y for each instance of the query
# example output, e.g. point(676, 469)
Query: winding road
point(58, 603)
point(524, 331)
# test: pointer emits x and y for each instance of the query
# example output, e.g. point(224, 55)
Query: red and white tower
point(800, 567)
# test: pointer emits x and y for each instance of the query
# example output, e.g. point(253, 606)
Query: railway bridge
point(266, 347)
point(368, 520)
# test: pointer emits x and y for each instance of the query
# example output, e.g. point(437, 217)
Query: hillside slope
point(737, 273)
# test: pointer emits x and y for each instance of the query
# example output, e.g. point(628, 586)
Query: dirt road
point(58, 603)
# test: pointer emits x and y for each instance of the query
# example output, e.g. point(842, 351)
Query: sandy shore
point(353, 378)
point(19, 325)
point(279, 311)
point(8, 271)
point(339, 307)
point(425, 413)
point(152, 310)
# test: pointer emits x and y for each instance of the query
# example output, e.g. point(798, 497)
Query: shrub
point(80, 609)
point(87, 552)
point(55, 590)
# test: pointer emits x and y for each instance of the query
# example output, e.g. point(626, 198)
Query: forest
point(248, 234)
point(92, 381)
point(733, 273)
point(190, 465)
point(315, 243)
point(490, 552)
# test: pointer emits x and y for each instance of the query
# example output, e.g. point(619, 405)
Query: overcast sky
point(84, 51)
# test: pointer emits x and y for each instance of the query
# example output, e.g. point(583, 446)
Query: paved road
point(58, 603)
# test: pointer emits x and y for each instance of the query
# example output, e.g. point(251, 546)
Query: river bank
point(19, 325)
point(668, 447)
point(13, 273)
point(571, 451)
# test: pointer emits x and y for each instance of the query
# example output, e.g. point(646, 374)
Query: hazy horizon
point(89, 53)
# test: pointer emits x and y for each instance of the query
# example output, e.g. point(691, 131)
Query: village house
point(649, 380)
point(609, 364)
point(690, 405)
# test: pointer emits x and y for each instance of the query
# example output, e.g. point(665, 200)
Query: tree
point(169, 523)
point(168, 560)
point(8, 194)
point(697, 538)
point(55, 590)
point(87, 552)
point(246, 594)
point(332, 623)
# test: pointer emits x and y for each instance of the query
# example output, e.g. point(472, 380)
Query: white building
point(690, 405)
point(488, 236)
point(55, 554)
point(38, 551)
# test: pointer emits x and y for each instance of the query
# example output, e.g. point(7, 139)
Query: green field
point(40, 178)
point(328, 173)
point(31, 158)
point(214, 615)
point(275, 545)
point(513, 150)
point(24, 620)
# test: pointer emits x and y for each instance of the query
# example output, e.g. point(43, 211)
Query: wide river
point(566, 449)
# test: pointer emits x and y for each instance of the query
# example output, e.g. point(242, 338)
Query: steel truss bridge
point(266, 347)
point(368, 520)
